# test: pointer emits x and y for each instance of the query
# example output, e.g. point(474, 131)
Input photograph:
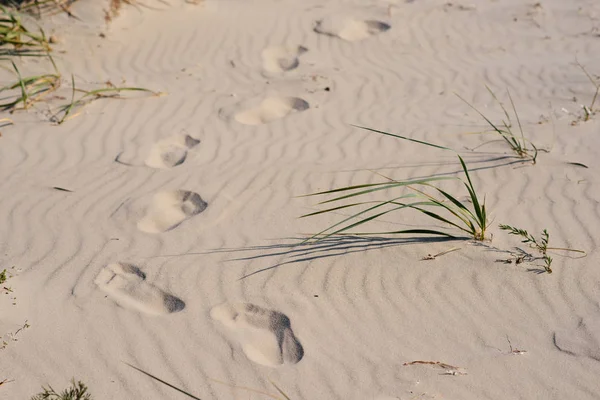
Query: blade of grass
point(279, 390)
point(403, 137)
point(352, 217)
point(163, 382)
point(494, 127)
point(22, 85)
point(389, 186)
point(518, 119)
point(405, 231)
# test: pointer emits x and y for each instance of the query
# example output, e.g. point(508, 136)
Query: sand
point(176, 258)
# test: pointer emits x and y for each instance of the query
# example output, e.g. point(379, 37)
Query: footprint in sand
point(169, 209)
point(126, 284)
point(171, 151)
point(350, 29)
point(266, 336)
point(269, 109)
point(582, 341)
point(280, 59)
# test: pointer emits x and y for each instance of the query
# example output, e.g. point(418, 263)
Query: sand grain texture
point(209, 223)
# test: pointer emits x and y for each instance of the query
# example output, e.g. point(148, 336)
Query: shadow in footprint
point(279, 59)
point(170, 152)
point(126, 284)
point(266, 336)
point(270, 109)
point(169, 209)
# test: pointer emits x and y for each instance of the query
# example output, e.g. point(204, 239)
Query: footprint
point(169, 209)
point(280, 59)
point(583, 341)
point(171, 151)
point(350, 29)
point(126, 284)
point(266, 336)
point(270, 109)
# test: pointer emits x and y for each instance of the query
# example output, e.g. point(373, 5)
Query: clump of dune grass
point(17, 40)
point(28, 90)
point(77, 391)
point(40, 8)
point(423, 196)
point(521, 146)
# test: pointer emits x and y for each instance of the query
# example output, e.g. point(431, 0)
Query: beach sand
point(177, 258)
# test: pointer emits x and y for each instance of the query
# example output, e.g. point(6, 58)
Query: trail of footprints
point(265, 336)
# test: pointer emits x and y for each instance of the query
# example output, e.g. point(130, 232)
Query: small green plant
point(470, 219)
point(3, 276)
point(518, 143)
point(77, 391)
point(541, 245)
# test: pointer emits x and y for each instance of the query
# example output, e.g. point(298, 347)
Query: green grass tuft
point(441, 206)
point(17, 40)
point(77, 391)
point(518, 143)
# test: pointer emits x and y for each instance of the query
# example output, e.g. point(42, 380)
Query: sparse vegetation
point(26, 91)
point(541, 245)
point(281, 392)
point(110, 92)
point(518, 143)
point(163, 382)
point(12, 336)
point(589, 111)
point(470, 219)
point(77, 391)
point(41, 8)
point(17, 40)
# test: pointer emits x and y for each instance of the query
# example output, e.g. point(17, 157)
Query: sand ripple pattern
point(273, 122)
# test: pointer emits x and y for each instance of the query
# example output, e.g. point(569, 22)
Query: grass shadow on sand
point(299, 251)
